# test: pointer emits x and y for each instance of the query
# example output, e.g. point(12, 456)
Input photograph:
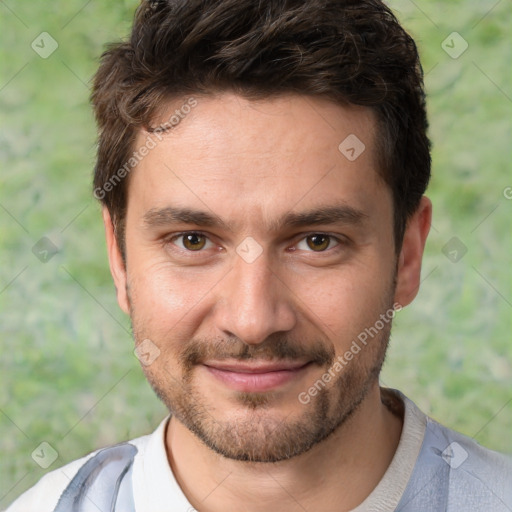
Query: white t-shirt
point(434, 469)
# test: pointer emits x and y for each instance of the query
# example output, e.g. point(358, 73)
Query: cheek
point(158, 296)
point(344, 302)
point(166, 298)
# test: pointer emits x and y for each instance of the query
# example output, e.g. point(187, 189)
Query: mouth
point(256, 376)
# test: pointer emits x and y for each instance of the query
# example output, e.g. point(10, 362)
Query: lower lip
point(256, 382)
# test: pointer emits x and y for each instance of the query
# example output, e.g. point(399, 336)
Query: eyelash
point(340, 241)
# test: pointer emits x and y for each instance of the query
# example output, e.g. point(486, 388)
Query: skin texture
point(302, 299)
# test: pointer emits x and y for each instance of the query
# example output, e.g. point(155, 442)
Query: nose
point(254, 302)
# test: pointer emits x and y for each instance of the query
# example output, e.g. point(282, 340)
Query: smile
point(256, 377)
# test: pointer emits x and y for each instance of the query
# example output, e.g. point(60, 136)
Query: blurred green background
point(68, 373)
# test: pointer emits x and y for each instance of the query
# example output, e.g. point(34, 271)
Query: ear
point(411, 254)
point(117, 266)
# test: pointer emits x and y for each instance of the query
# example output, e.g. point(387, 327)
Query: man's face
point(257, 252)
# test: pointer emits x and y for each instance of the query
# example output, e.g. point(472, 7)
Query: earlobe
point(411, 254)
point(117, 265)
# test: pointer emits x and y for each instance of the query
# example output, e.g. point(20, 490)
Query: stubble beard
point(257, 433)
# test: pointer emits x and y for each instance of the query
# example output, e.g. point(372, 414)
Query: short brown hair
point(351, 52)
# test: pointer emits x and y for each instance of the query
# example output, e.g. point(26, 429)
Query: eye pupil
point(194, 241)
point(318, 242)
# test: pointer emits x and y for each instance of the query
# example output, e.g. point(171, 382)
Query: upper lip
point(256, 367)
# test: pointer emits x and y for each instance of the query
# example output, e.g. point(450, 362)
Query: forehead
point(227, 122)
point(245, 158)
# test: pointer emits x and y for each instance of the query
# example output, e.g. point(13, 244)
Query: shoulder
point(45, 494)
point(457, 450)
point(59, 484)
point(453, 472)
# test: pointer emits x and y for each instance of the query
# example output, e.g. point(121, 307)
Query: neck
point(336, 474)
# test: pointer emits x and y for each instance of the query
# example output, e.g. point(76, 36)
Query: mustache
point(273, 348)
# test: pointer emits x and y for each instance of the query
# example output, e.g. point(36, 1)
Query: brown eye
point(194, 241)
point(318, 242)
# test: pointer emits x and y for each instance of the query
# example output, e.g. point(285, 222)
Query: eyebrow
point(339, 214)
point(335, 214)
point(157, 217)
